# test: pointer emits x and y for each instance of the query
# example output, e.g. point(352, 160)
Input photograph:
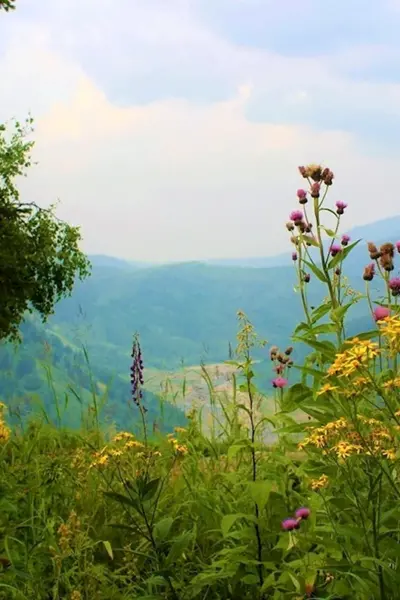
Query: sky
point(172, 130)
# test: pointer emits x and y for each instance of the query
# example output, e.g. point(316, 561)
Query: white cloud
point(177, 179)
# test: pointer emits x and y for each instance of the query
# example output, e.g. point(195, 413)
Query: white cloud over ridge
point(174, 172)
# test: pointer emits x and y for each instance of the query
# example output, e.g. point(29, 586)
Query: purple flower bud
point(279, 382)
point(290, 524)
point(335, 249)
point(345, 239)
point(394, 285)
point(296, 216)
point(315, 189)
point(340, 206)
point(302, 196)
point(303, 513)
point(294, 256)
point(307, 278)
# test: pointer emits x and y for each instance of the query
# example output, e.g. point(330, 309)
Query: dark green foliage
point(39, 254)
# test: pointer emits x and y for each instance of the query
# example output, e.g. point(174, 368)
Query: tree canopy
point(40, 257)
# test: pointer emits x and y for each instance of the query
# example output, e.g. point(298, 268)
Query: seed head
point(327, 176)
point(289, 226)
point(388, 249)
point(369, 272)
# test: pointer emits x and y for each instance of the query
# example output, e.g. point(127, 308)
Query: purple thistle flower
point(394, 285)
point(397, 244)
point(303, 512)
point(345, 239)
point(290, 524)
point(279, 382)
point(296, 216)
point(302, 196)
point(335, 249)
point(315, 189)
point(340, 206)
point(380, 313)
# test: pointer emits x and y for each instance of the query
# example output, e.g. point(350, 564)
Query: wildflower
point(314, 172)
point(349, 361)
point(303, 172)
point(302, 513)
point(380, 313)
point(273, 353)
point(297, 217)
point(340, 206)
point(317, 484)
point(123, 435)
point(335, 249)
point(345, 239)
point(327, 388)
point(290, 524)
point(289, 226)
point(369, 272)
point(133, 444)
point(374, 253)
point(279, 382)
point(294, 256)
point(398, 247)
point(387, 248)
point(327, 176)
point(394, 285)
point(315, 190)
point(137, 379)
point(306, 278)
point(390, 453)
point(76, 595)
point(289, 350)
point(302, 196)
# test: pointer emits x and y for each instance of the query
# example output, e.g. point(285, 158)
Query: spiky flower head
point(335, 249)
point(380, 313)
point(137, 378)
point(369, 272)
point(345, 239)
point(394, 285)
point(290, 524)
point(302, 196)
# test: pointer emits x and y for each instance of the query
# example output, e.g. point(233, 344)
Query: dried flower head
point(369, 272)
point(289, 226)
point(374, 253)
point(387, 248)
point(386, 262)
point(327, 176)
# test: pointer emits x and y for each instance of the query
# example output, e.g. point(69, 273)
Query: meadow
point(293, 493)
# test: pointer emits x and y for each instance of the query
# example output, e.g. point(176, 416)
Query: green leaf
point(310, 240)
point(324, 328)
point(162, 528)
point(250, 579)
point(326, 349)
point(365, 335)
point(150, 488)
point(259, 492)
point(317, 272)
point(228, 521)
point(337, 314)
point(108, 548)
point(125, 500)
point(179, 546)
point(342, 255)
point(321, 311)
point(329, 232)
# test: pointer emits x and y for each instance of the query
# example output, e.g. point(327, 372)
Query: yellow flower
point(124, 435)
point(134, 444)
point(389, 453)
point(116, 453)
point(346, 363)
point(344, 449)
point(180, 430)
point(4, 432)
point(327, 388)
point(317, 484)
point(390, 330)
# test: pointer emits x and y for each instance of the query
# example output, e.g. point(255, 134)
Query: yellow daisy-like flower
point(346, 363)
point(317, 484)
point(133, 444)
point(327, 387)
point(389, 453)
point(124, 435)
point(390, 330)
point(180, 430)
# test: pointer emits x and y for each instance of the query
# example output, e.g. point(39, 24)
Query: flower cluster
point(390, 331)
point(359, 354)
point(384, 258)
point(282, 361)
point(291, 523)
point(102, 458)
point(342, 439)
point(176, 445)
point(321, 482)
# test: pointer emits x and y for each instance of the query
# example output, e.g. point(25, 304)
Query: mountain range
point(184, 313)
